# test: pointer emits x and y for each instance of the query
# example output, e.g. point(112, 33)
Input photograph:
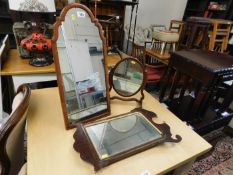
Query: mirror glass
point(120, 134)
point(81, 60)
point(127, 77)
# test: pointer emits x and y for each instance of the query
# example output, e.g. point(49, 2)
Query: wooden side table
point(195, 33)
point(207, 70)
point(22, 72)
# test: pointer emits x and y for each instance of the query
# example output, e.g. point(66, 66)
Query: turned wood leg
point(173, 47)
point(163, 44)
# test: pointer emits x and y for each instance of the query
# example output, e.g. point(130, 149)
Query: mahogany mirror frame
point(140, 89)
point(56, 26)
point(84, 145)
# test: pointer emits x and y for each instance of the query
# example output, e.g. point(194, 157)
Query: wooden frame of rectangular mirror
point(88, 149)
point(58, 23)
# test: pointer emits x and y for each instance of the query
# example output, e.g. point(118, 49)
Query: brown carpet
point(218, 161)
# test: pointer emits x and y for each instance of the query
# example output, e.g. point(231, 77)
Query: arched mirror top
point(66, 11)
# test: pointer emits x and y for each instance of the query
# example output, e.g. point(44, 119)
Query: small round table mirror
point(127, 78)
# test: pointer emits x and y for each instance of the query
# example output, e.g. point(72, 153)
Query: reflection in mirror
point(128, 78)
point(81, 56)
point(121, 134)
point(105, 141)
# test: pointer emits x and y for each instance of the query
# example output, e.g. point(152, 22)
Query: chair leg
point(173, 47)
point(163, 44)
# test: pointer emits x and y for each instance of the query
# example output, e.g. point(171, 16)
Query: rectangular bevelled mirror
point(79, 53)
point(121, 134)
point(106, 141)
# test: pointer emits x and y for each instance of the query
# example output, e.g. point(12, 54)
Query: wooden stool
point(195, 33)
point(161, 38)
point(219, 35)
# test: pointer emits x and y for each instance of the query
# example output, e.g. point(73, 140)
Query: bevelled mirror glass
point(79, 54)
point(127, 78)
point(105, 141)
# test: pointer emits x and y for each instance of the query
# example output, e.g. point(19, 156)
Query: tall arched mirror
point(80, 57)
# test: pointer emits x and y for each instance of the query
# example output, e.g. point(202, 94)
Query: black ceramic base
point(40, 62)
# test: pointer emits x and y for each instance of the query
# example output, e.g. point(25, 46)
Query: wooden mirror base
point(129, 99)
point(88, 152)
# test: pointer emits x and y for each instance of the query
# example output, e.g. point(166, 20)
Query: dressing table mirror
point(79, 50)
point(128, 78)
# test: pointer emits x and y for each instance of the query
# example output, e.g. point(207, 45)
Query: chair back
point(176, 26)
point(12, 134)
point(139, 53)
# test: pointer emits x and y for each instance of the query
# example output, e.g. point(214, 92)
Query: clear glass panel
point(80, 51)
point(121, 134)
point(127, 77)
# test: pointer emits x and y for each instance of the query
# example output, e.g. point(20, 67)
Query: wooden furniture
point(151, 52)
point(165, 41)
point(219, 35)
point(222, 9)
point(204, 70)
point(17, 71)
point(12, 134)
point(206, 33)
point(112, 60)
point(154, 71)
point(57, 156)
point(176, 26)
point(22, 72)
point(195, 33)
point(17, 66)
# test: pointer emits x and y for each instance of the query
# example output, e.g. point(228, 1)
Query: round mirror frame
point(141, 88)
point(56, 25)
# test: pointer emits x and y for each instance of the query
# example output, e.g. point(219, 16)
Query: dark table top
point(212, 61)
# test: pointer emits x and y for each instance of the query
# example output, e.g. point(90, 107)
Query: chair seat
point(154, 74)
point(150, 70)
point(165, 36)
point(154, 77)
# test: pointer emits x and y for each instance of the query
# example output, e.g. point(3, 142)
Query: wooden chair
point(154, 70)
point(176, 26)
point(165, 41)
point(12, 135)
point(219, 35)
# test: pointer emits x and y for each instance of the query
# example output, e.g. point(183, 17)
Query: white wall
point(157, 12)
